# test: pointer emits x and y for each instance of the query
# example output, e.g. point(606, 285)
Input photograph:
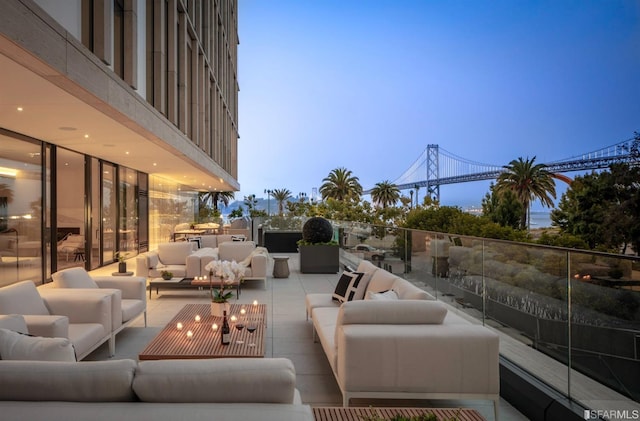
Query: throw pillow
point(73, 278)
point(347, 286)
point(382, 296)
point(18, 346)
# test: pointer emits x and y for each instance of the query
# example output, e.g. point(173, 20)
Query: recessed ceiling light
point(86, 136)
point(127, 152)
point(155, 164)
point(19, 108)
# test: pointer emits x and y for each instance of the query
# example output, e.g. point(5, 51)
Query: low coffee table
point(159, 283)
point(340, 413)
point(172, 343)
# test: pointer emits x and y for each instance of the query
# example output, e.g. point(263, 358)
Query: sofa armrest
point(230, 380)
point(79, 307)
point(146, 261)
point(133, 288)
point(48, 326)
point(14, 322)
point(259, 266)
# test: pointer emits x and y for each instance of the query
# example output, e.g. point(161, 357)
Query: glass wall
point(109, 212)
point(128, 212)
point(70, 209)
point(20, 210)
point(169, 206)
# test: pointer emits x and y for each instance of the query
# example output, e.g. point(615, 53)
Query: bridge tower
point(433, 173)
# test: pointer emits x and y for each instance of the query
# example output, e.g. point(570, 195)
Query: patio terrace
point(288, 335)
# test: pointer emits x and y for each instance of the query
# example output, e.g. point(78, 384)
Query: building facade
point(114, 115)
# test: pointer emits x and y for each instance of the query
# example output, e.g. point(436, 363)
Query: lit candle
point(243, 311)
point(179, 326)
point(255, 302)
point(234, 318)
point(197, 318)
point(214, 327)
point(189, 334)
point(205, 277)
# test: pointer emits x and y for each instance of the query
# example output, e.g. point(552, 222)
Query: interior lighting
point(127, 152)
point(19, 108)
point(8, 172)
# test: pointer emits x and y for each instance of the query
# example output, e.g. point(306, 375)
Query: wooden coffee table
point(321, 413)
point(172, 343)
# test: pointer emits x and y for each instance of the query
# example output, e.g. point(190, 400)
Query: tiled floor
point(288, 334)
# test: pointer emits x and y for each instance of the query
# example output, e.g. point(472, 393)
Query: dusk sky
point(367, 85)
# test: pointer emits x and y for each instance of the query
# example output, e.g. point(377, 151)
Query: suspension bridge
point(436, 167)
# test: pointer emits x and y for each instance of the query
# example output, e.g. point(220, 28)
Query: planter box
point(319, 259)
point(281, 241)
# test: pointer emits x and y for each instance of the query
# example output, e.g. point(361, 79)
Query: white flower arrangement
point(228, 272)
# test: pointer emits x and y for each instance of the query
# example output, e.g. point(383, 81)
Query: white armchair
point(84, 320)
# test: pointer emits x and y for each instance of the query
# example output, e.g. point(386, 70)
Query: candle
point(255, 302)
point(214, 327)
point(243, 311)
point(189, 334)
point(197, 318)
point(179, 326)
point(234, 318)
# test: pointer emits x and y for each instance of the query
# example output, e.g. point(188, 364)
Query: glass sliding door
point(109, 213)
point(128, 212)
point(70, 209)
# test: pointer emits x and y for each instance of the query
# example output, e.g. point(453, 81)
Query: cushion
point(22, 298)
point(17, 346)
point(381, 296)
point(268, 380)
point(73, 278)
point(347, 286)
point(88, 381)
point(196, 240)
point(174, 253)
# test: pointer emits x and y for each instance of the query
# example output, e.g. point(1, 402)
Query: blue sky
point(367, 85)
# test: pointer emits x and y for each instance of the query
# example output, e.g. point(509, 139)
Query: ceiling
point(33, 106)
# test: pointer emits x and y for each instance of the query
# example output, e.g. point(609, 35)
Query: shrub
point(317, 230)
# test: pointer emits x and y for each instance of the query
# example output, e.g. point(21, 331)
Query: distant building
point(113, 115)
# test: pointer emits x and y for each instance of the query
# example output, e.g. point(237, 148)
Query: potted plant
point(227, 272)
point(122, 265)
point(166, 275)
point(318, 252)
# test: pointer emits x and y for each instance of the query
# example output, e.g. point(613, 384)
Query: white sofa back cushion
point(22, 298)
point(89, 381)
point(73, 278)
point(174, 253)
point(385, 312)
point(17, 346)
point(235, 250)
point(232, 380)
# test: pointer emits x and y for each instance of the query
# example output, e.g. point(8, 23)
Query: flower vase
point(217, 309)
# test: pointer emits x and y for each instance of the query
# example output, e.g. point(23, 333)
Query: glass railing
point(569, 317)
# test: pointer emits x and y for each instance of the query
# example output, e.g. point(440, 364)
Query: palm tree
point(215, 197)
point(528, 181)
point(280, 196)
point(385, 193)
point(340, 185)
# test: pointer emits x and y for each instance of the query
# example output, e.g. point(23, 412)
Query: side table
point(280, 266)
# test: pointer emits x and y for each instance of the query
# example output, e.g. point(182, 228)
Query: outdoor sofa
point(214, 389)
point(406, 346)
point(86, 320)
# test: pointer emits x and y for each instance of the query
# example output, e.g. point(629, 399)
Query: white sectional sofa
point(409, 347)
point(217, 389)
point(86, 320)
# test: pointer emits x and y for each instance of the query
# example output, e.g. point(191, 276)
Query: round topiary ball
point(317, 230)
